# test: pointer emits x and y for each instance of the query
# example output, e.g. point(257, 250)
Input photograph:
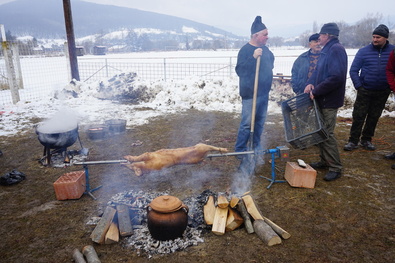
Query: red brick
point(70, 185)
point(298, 176)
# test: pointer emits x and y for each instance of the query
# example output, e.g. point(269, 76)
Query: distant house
point(99, 50)
point(79, 50)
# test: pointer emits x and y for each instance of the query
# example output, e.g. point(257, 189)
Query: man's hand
point(309, 89)
point(257, 53)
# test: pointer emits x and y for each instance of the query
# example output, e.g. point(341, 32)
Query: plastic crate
point(302, 122)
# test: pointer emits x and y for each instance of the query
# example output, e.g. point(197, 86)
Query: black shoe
point(367, 145)
point(318, 165)
point(332, 176)
point(393, 166)
point(350, 146)
point(390, 156)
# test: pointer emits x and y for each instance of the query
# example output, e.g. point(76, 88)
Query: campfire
point(208, 212)
point(140, 239)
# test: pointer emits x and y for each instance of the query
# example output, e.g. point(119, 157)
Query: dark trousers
point(367, 110)
point(329, 152)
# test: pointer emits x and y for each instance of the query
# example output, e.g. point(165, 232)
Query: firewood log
point(266, 233)
point(78, 257)
point(246, 216)
point(209, 211)
point(222, 201)
point(234, 201)
point(90, 254)
point(221, 214)
point(281, 232)
point(124, 222)
point(234, 220)
point(99, 233)
point(251, 207)
point(112, 235)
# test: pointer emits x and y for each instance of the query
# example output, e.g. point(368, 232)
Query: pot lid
point(166, 204)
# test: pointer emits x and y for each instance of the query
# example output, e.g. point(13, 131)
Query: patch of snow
point(186, 29)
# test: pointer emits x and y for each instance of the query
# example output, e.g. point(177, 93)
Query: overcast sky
point(279, 16)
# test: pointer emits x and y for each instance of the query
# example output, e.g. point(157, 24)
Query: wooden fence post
point(9, 61)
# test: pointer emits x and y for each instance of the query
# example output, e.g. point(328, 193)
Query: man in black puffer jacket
point(368, 76)
point(327, 86)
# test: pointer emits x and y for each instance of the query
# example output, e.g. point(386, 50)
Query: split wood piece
point(209, 211)
point(112, 235)
point(90, 254)
point(246, 216)
point(281, 232)
point(234, 220)
point(78, 257)
point(124, 222)
point(99, 233)
point(222, 201)
point(266, 233)
point(234, 201)
point(251, 207)
point(220, 217)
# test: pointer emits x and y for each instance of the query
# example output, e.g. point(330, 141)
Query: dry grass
point(348, 220)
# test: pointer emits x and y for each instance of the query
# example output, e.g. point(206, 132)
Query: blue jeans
point(245, 125)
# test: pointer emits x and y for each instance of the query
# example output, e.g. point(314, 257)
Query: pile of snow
point(125, 96)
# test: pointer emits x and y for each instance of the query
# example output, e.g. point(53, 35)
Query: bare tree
point(276, 41)
point(364, 28)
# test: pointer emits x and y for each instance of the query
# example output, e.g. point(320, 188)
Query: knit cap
point(330, 28)
point(257, 25)
point(381, 30)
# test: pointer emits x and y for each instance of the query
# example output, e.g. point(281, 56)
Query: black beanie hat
point(314, 37)
point(330, 28)
point(381, 30)
point(257, 25)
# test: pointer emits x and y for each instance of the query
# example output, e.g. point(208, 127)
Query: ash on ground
point(142, 241)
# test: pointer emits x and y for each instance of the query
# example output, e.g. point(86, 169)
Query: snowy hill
point(45, 19)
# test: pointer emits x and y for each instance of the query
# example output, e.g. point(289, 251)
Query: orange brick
point(298, 176)
point(70, 185)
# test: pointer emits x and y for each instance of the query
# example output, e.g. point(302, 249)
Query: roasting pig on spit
point(164, 158)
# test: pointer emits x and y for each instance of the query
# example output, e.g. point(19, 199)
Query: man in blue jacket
point(327, 86)
point(305, 64)
point(367, 73)
point(245, 69)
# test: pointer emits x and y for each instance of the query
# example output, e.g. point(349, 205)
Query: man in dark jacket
point(368, 76)
point(327, 86)
point(245, 69)
point(305, 64)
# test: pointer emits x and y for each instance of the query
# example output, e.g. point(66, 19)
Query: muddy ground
point(347, 220)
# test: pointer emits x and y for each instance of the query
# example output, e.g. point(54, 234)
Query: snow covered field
point(159, 97)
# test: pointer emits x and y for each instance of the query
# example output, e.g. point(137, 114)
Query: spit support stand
point(281, 152)
point(88, 189)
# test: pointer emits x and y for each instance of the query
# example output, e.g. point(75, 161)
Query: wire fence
point(157, 68)
point(45, 74)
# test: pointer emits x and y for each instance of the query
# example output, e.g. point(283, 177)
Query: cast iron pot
point(57, 140)
point(167, 217)
point(97, 132)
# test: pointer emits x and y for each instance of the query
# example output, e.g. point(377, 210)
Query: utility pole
point(71, 40)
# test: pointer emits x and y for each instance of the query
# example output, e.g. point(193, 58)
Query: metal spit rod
point(230, 154)
point(101, 162)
